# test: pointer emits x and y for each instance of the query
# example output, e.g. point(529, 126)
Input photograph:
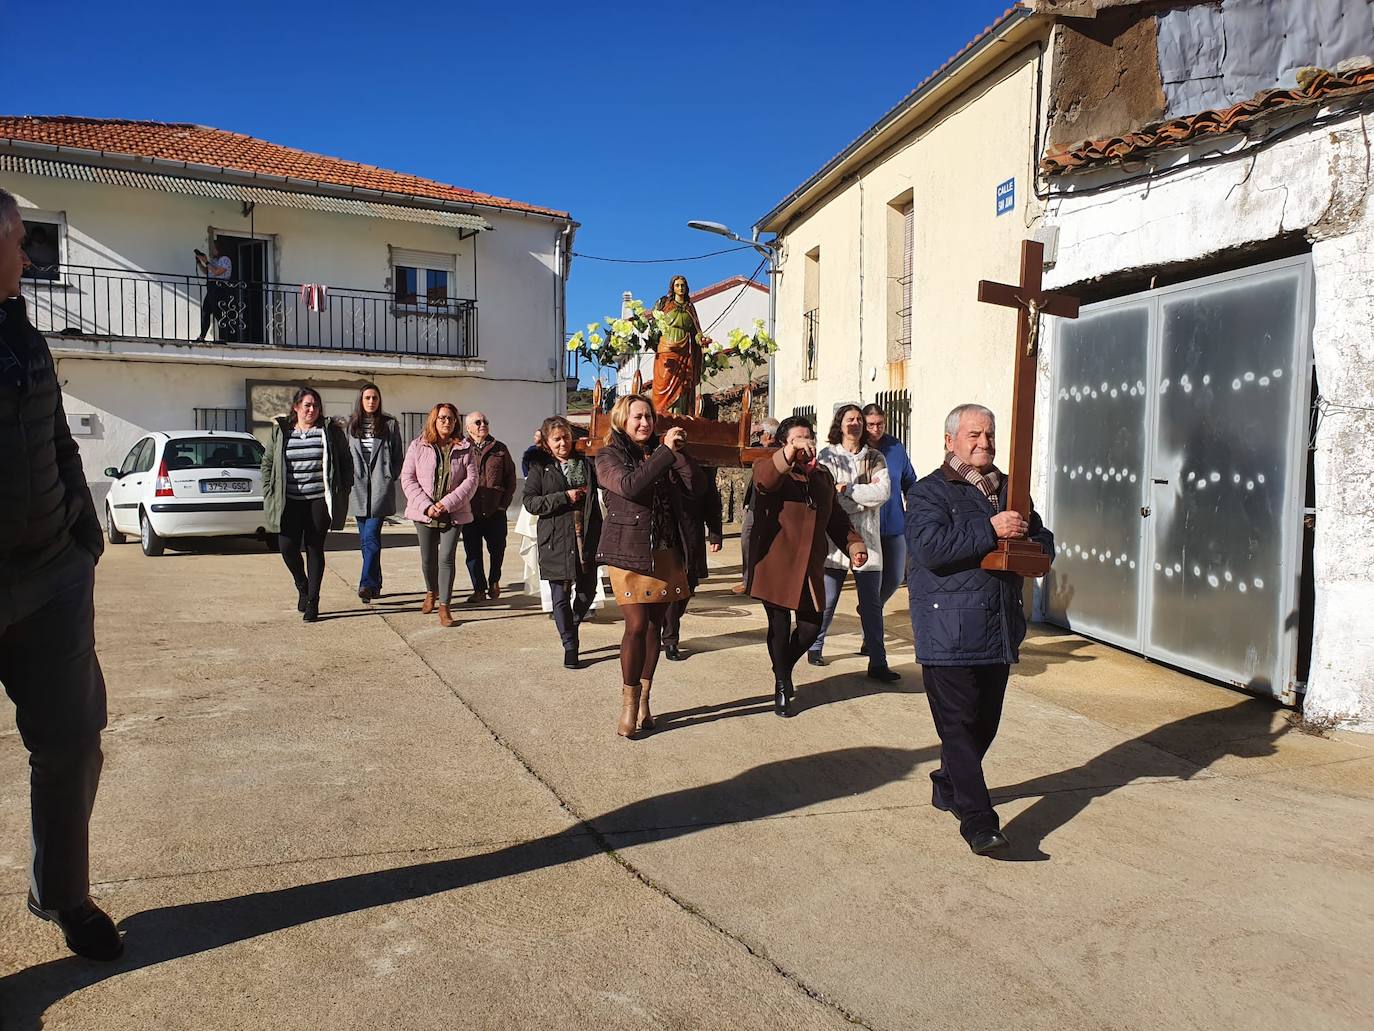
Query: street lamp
point(769, 250)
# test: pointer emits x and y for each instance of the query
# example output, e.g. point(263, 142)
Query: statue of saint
point(677, 365)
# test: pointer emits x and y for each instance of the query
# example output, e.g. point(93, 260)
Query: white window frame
point(59, 219)
point(422, 262)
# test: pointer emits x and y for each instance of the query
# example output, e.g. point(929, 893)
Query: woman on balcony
point(306, 479)
point(645, 540)
point(439, 478)
point(374, 443)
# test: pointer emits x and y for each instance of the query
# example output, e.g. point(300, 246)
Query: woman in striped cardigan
point(306, 478)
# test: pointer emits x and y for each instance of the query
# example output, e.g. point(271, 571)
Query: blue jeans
point(370, 539)
point(894, 564)
point(870, 611)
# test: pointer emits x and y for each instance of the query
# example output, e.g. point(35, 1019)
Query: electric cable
point(660, 261)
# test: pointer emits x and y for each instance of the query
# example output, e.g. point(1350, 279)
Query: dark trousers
point(746, 527)
point(672, 621)
point(490, 530)
point(304, 525)
point(215, 305)
point(966, 703)
point(786, 645)
point(571, 599)
point(49, 668)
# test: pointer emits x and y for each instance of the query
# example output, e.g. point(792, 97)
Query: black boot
point(302, 598)
point(311, 610)
point(570, 660)
point(782, 697)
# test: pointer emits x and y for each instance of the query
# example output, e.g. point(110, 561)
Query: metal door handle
point(1161, 481)
point(1144, 511)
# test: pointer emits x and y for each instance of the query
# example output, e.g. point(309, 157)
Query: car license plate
point(224, 486)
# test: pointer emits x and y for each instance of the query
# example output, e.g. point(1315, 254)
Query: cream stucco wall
point(1318, 184)
point(961, 350)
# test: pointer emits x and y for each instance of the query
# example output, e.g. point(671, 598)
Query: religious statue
point(677, 364)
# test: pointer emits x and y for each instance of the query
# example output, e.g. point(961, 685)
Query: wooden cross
point(1031, 302)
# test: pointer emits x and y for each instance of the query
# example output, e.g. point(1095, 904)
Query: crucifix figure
point(1030, 301)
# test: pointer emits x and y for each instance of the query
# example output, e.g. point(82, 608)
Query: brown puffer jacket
point(45, 503)
point(628, 473)
point(495, 479)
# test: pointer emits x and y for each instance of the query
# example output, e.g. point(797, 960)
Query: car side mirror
point(112, 472)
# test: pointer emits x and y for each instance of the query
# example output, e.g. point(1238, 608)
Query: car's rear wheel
point(270, 540)
point(147, 536)
point(112, 533)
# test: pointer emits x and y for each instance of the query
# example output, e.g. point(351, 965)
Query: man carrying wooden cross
point(967, 619)
point(973, 534)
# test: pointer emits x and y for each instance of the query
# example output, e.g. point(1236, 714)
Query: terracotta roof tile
point(1322, 87)
point(199, 144)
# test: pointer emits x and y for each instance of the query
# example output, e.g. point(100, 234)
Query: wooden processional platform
point(710, 442)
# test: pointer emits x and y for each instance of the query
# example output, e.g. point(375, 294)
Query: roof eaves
point(1012, 17)
point(1323, 88)
point(121, 159)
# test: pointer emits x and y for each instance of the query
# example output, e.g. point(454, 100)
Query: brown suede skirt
point(667, 582)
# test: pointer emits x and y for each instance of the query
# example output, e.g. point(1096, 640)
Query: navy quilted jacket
point(961, 614)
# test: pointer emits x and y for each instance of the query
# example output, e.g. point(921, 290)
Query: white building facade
point(340, 274)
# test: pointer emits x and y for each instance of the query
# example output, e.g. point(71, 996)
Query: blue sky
point(635, 118)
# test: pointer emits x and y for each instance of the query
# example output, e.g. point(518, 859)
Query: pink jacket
point(417, 480)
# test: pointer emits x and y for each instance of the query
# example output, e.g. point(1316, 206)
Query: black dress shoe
point(365, 595)
point(815, 658)
point(570, 660)
point(986, 841)
point(672, 654)
point(88, 929)
point(311, 610)
point(782, 698)
point(883, 673)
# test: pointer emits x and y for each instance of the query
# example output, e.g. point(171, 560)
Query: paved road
point(373, 822)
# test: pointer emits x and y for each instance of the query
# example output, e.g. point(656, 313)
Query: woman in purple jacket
point(439, 481)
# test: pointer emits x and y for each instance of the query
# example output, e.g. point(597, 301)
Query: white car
point(187, 483)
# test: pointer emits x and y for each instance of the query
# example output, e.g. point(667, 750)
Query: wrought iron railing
point(235, 419)
point(87, 301)
point(896, 406)
point(811, 340)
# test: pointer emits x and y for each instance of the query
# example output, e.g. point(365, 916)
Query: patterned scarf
point(989, 483)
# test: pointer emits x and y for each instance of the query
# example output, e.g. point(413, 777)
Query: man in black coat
point(968, 621)
point(50, 540)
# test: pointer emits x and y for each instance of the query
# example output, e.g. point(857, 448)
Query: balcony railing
point(86, 301)
point(811, 338)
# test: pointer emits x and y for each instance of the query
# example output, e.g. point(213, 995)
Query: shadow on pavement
point(1178, 751)
point(173, 932)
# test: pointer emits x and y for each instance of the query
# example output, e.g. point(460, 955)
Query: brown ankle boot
point(646, 718)
point(445, 617)
point(629, 710)
point(427, 606)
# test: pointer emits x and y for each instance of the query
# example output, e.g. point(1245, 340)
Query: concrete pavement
point(376, 822)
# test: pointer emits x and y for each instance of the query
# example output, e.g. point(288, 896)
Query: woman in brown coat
point(645, 540)
point(795, 510)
